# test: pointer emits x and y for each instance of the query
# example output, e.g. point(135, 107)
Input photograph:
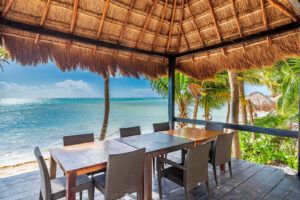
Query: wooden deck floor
point(250, 181)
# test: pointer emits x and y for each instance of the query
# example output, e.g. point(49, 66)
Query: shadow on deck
point(250, 181)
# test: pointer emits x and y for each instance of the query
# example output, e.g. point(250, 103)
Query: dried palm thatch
point(165, 26)
point(260, 102)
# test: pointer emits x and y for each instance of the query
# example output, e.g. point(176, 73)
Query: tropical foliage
point(3, 57)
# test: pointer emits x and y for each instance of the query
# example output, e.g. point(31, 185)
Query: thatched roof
point(260, 102)
point(165, 26)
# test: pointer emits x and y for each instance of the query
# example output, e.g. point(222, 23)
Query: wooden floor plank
point(282, 190)
point(264, 187)
point(250, 181)
point(248, 186)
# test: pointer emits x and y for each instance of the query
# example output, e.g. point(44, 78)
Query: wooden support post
point(171, 89)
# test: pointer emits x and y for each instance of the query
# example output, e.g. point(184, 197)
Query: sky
point(48, 81)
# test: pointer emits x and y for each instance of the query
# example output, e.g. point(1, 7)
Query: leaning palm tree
point(3, 57)
point(106, 107)
point(182, 97)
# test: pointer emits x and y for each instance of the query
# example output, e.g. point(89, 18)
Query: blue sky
point(48, 81)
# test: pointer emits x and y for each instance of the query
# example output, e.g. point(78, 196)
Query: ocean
point(26, 123)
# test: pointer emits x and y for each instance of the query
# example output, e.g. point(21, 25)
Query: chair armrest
point(174, 164)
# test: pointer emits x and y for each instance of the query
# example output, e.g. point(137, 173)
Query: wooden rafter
point(7, 7)
point(74, 15)
point(265, 20)
point(187, 44)
point(124, 25)
point(171, 26)
point(284, 10)
point(145, 27)
point(45, 13)
point(215, 24)
point(237, 23)
point(102, 19)
point(214, 20)
point(194, 20)
point(180, 25)
point(159, 27)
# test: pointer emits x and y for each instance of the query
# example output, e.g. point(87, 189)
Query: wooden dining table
point(83, 158)
point(196, 134)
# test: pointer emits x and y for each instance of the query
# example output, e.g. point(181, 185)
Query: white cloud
point(64, 89)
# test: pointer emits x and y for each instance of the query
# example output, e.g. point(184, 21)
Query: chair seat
point(99, 182)
point(174, 174)
point(58, 185)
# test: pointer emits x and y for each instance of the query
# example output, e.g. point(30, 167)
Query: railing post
point(171, 90)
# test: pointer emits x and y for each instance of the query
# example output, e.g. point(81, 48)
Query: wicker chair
point(56, 188)
point(164, 126)
point(131, 131)
point(80, 139)
point(221, 153)
point(124, 175)
point(190, 174)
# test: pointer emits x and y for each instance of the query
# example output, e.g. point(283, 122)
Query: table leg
point(71, 186)
point(148, 179)
point(53, 167)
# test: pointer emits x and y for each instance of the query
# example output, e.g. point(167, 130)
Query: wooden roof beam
point(45, 13)
point(284, 10)
point(180, 25)
point(102, 19)
point(215, 24)
point(145, 27)
point(74, 16)
point(124, 25)
point(159, 27)
point(194, 20)
point(171, 26)
point(237, 23)
point(214, 20)
point(265, 20)
point(7, 7)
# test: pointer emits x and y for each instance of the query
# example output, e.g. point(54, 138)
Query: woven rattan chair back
point(214, 127)
point(45, 179)
point(222, 149)
point(78, 139)
point(130, 131)
point(196, 164)
point(164, 126)
point(124, 174)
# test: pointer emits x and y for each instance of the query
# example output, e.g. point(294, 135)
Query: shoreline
point(20, 168)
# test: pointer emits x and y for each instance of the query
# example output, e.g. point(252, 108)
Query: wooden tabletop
point(195, 134)
point(87, 157)
point(156, 142)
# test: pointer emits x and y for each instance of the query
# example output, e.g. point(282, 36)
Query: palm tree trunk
point(195, 111)
point(243, 101)
point(234, 86)
point(106, 108)
point(228, 111)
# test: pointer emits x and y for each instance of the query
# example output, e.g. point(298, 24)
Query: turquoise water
point(26, 123)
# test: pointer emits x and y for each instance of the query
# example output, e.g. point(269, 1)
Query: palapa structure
point(206, 36)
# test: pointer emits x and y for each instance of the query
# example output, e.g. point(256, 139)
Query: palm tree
point(234, 86)
point(3, 57)
point(106, 107)
point(182, 97)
